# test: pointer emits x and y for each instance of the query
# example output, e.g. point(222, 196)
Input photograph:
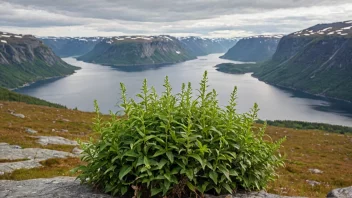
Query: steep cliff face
point(24, 59)
point(71, 46)
point(198, 46)
point(138, 50)
point(253, 49)
point(316, 60)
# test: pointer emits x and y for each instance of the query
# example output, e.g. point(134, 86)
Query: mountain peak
point(328, 29)
point(137, 38)
point(277, 36)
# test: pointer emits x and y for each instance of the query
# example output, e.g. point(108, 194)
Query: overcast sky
point(209, 18)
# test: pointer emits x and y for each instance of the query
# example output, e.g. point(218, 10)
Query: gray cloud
point(164, 10)
point(200, 17)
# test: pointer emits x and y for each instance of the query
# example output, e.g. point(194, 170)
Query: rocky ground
point(41, 142)
point(67, 187)
point(26, 158)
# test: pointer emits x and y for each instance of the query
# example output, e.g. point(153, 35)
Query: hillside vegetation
point(314, 60)
point(138, 50)
point(25, 59)
point(253, 49)
point(233, 68)
point(7, 95)
point(308, 125)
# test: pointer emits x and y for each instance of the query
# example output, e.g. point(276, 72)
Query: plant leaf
point(214, 176)
point(191, 186)
point(155, 191)
point(124, 171)
point(197, 157)
point(160, 152)
point(162, 163)
point(227, 187)
point(170, 156)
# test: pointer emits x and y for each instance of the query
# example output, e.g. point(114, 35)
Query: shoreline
point(306, 92)
point(135, 65)
point(288, 88)
point(44, 79)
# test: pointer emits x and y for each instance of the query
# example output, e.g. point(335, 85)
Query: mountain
point(71, 46)
point(253, 49)
point(198, 46)
point(316, 60)
point(25, 59)
point(138, 50)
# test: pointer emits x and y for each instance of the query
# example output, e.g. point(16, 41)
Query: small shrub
point(178, 146)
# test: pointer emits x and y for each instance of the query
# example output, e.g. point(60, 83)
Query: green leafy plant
point(175, 146)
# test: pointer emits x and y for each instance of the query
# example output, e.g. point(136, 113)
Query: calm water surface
point(94, 81)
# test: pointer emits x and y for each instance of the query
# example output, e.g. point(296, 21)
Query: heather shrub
point(179, 146)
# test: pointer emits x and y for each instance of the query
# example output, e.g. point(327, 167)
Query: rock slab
point(63, 187)
point(67, 187)
point(31, 157)
point(341, 193)
point(45, 140)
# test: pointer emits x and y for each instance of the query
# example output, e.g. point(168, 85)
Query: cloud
point(17, 16)
point(183, 17)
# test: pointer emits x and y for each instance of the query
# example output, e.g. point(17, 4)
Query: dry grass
point(47, 121)
point(50, 168)
point(304, 149)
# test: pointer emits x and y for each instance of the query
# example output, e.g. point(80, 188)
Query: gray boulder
point(31, 131)
point(18, 115)
point(341, 193)
point(63, 187)
point(45, 140)
point(315, 171)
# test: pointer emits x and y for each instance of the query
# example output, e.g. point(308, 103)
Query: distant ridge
point(254, 48)
point(199, 46)
point(316, 60)
point(71, 46)
point(138, 50)
point(25, 59)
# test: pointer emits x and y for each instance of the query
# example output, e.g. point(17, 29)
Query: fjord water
point(94, 81)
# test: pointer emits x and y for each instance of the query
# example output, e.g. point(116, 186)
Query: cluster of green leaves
point(175, 145)
point(308, 125)
point(7, 95)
